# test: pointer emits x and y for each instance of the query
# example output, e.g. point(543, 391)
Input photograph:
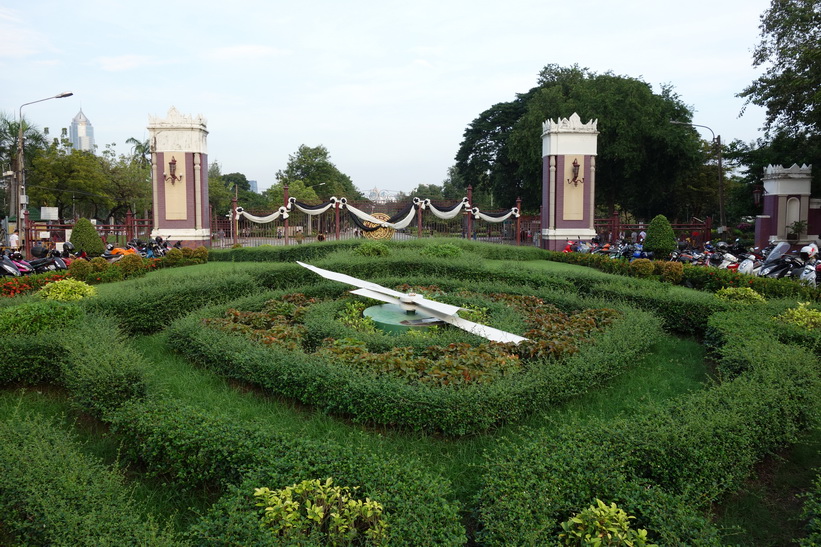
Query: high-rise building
point(81, 134)
point(252, 184)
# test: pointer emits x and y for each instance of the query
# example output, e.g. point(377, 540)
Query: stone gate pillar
point(787, 200)
point(569, 150)
point(179, 175)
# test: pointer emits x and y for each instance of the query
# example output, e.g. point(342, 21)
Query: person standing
point(14, 240)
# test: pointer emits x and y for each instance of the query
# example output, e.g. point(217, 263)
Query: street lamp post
point(18, 193)
point(722, 219)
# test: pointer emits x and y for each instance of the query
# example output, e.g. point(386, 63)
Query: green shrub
point(802, 316)
point(67, 290)
point(660, 240)
point(739, 295)
point(36, 317)
point(201, 254)
point(173, 256)
point(671, 272)
point(111, 275)
point(101, 370)
point(79, 269)
point(149, 306)
point(321, 512)
point(51, 493)
point(191, 448)
point(84, 237)
point(372, 248)
point(602, 524)
point(99, 264)
point(444, 250)
point(187, 252)
point(642, 268)
point(131, 265)
point(811, 512)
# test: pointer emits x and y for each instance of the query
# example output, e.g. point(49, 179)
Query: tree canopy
point(644, 163)
point(791, 47)
point(313, 166)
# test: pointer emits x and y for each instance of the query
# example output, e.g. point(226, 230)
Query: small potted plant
point(795, 230)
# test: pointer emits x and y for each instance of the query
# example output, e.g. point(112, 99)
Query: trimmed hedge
point(148, 305)
point(340, 390)
point(690, 453)
point(192, 449)
point(53, 494)
point(698, 277)
point(87, 356)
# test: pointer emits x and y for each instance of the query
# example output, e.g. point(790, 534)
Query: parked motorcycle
point(7, 267)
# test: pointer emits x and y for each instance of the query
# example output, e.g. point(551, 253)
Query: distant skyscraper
point(81, 134)
point(253, 185)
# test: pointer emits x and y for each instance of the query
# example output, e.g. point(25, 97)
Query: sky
point(388, 87)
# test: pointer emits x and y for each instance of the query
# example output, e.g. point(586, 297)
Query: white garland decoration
point(292, 204)
point(477, 214)
point(279, 213)
point(365, 217)
point(282, 212)
point(447, 215)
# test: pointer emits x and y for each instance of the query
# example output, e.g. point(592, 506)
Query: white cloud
point(127, 62)
point(245, 52)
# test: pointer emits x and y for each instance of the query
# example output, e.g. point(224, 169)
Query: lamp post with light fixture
point(19, 199)
point(722, 219)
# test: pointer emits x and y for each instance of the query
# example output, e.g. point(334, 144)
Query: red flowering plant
point(14, 286)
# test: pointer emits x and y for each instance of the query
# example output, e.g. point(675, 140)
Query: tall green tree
point(313, 166)
point(129, 182)
point(74, 181)
point(219, 196)
point(791, 48)
point(140, 151)
point(642, 158)
point(297, 189)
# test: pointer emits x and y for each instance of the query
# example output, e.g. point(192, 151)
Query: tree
point(313, 167)
point(236, 179)
point(219, 196)
point(71, 180)
point(140, 151)
point(788, 89)
point(641, 156)
point(297, 189)
point(660, 240)
point(427, 191)
point(84, 237)
point(129, 182)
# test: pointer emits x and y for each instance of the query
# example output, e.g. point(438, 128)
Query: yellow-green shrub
point(672, 272)
point(642, 267)
point(602, 524)
point(66, 290)
point(320, 511)
point(802, 316)
point(739, 295)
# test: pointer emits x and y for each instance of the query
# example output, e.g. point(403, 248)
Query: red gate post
point(519, 222)
point(419, 221)
point(336, 218)
point(470, 212)
point(234, 220)
point(129, 226)
point(28, 233)
point(708, 229)
point(287, 198)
